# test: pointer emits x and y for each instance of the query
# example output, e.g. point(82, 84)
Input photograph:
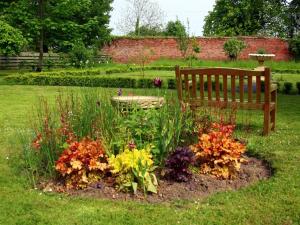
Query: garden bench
point(228, 88)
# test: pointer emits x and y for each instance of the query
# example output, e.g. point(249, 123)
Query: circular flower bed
point(88, 147)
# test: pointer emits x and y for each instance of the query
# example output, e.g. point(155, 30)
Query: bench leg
point(273, 119)
point(273, 113)
point(267, 119)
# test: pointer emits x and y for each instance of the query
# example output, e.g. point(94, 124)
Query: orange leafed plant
point(82, 163)
point(218, 152)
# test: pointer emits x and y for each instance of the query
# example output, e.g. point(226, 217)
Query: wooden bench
point(227, 87)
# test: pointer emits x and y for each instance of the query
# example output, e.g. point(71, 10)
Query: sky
point(192, 10)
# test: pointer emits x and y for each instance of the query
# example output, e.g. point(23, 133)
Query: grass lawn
point(275, 201)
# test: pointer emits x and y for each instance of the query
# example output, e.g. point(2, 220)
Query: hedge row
point(116, 82)
point(88, 81)
point(98, 71)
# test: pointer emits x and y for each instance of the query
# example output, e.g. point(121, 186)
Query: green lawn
point(275, 201)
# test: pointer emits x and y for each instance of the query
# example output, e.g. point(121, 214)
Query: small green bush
point(80, 56)
point(261, 51)
point(287, 87)
point(233, 48)
point(171, 84)
point(298, 87)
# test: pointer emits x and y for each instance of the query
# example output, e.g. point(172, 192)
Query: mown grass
point(274, 65)
point(275, 201)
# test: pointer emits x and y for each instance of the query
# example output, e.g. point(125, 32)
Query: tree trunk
point(41, 36)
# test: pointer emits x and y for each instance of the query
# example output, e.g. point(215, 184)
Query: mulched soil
point(199, 187)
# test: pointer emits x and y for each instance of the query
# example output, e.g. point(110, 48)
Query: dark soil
point(199, 187)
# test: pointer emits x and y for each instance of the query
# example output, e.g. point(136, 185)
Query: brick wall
point(126, 49)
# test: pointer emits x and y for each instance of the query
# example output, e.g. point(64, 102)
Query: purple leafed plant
point(178, 163)
point(157, 82)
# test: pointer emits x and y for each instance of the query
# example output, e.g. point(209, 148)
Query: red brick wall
point(125, 49)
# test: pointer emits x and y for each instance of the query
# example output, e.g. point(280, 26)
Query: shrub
point(171, 84)
point(82, 163)
point(218, 152)
point(80, 56)
point(178, 163)
point(298, 87)
point(233, 48)
point(145, 83)
point(261, 51)
point(11, 39)
point(134, 168)
point(287, 87)
point(294, 47)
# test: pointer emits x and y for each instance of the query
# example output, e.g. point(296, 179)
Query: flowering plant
point(157, 82)
point(82, 163)
point(218, 152)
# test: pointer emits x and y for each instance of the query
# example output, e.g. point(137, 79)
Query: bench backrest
point(224, 85)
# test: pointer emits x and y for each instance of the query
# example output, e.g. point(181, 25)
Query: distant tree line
point(277, 18)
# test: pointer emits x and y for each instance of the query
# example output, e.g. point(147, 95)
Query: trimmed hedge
point(88, 81)
point(98, 71)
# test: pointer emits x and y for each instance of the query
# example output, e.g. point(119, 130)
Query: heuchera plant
point(82, 163)
point(218, 152)
point(134, 168)
point(178, 163)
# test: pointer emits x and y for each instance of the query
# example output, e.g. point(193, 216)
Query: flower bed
point(84, 142)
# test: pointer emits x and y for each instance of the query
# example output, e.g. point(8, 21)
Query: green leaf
point(134, 187)
point(151, 188)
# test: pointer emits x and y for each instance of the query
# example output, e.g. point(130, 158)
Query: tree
point(11, 39)
point(233, 48)
point(59, 24)
point(174, 28)
point(138, 14)
point(148, 31)
point(294, 18)
point(245, 17)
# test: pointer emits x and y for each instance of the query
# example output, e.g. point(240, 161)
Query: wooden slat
point(178, 83)
point(186, 86)
point(233, 88)
point(194, 86)
point(249, 89)
point(241, 105)
point(225, 89)
point(217, 83)
point(241, 87)
point(209, 87)
point(201, 78)
point(221, 70)
point(258, 89)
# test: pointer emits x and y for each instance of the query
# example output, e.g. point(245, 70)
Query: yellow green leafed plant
point(134, 168)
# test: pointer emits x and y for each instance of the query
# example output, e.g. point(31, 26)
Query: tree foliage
point(148, 31)
point(11, 39)
point(245, 17)
point(64, 22)
point(174, 28)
